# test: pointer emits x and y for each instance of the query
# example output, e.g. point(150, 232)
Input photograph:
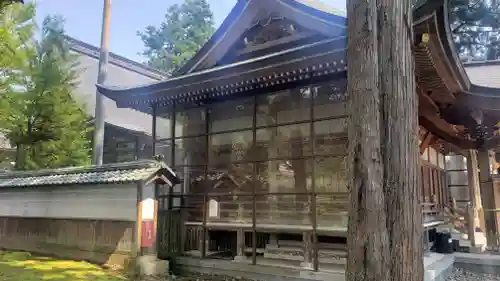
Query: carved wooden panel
point(271, 28)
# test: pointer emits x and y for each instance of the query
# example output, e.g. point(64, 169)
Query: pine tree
point(44, 122)
point(475, 27)
point(185, 29)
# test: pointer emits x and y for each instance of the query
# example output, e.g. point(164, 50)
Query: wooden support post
point(146, 224)
point(203, 236)
point(203, 241)
point(240, 245)
point(308, 246)
point(273, 239)
point(487, 198)
point(474, 195)
point(471, 230)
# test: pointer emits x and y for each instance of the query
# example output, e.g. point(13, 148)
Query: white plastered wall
point(100, 202)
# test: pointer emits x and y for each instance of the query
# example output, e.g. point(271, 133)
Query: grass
point(22, 266)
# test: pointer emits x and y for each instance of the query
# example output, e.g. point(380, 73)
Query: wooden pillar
point(474, 195)
point(203, 242)
point(273, 239)
point(146, 225)
point(308, 250)
point(493, 163)
point(240, 245)
point(487, 197)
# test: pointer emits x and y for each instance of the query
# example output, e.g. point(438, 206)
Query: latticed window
point(268, 156)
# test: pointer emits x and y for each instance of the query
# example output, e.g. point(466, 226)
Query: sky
point(83, 19)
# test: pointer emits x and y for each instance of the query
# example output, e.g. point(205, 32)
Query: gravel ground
point(459, 274)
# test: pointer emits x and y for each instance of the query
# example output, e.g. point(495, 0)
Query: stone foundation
point(437, 268)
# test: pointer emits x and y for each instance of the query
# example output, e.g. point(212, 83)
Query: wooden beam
point(426, 142)
point(438, 131)
point(426, 101)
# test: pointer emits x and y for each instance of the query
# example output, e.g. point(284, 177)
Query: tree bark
point(385, 218)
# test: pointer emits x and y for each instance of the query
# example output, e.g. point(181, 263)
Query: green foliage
point(4, 3)
point(16, 30)
point(475, 26)
point(185, 29)
point(41, 117)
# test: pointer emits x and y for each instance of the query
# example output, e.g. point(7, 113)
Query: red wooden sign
point(148, 234)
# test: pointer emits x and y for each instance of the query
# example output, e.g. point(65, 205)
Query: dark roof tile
point(111, 173)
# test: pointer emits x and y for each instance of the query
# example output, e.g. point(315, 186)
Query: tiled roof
point(112, 173)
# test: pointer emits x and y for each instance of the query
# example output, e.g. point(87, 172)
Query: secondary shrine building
point(255, 124)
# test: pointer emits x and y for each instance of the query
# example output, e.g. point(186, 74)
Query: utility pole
point(101, 78)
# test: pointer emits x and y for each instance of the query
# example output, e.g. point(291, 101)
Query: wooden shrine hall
point(255, 124)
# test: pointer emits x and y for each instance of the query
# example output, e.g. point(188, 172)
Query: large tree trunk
point(385, 219)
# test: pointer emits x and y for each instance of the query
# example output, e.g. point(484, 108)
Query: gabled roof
point(145, 170)
point(123, 62)
point(312, 14)
point(321, 58)
point(323, 54)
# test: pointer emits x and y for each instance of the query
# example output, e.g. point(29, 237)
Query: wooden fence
point(104, 242)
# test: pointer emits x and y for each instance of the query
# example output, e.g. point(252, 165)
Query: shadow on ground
point(21, 266)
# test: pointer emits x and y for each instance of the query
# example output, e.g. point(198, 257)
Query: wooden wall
point(97, 241)
point(82, 222)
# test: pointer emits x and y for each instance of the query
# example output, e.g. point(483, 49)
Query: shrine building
point(255, 124)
